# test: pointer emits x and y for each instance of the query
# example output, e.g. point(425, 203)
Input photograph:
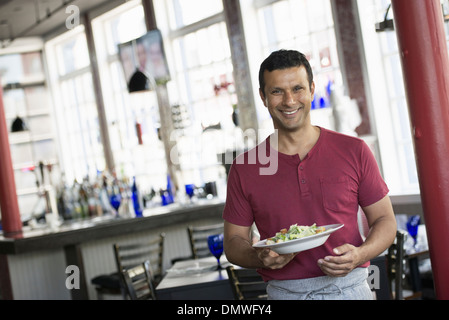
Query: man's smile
point(291, 112)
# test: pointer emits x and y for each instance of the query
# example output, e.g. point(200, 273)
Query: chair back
point(198, 239)
point(396, 264)
point(138, 282)
point(130, 255)
point(246, 284)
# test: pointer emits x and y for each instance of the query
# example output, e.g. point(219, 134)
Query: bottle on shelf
point(116, 197)
point(136, 199)
point(65, 200)
point(104, 197)
point(170, 192)
point(126, 209)
point(75, 190)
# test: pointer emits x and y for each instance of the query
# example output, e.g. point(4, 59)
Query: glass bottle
point(170, 198)
point(136, 199)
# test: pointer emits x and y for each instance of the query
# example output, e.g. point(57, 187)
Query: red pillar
point(425, 64)
point(11, 222)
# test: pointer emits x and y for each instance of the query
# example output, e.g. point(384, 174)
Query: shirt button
point(303, 181)
point(301, 168)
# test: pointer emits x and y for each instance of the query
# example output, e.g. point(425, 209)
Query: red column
point(11, 222)
point(425, 64)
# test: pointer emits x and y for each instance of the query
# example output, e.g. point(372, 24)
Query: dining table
point(196, 279)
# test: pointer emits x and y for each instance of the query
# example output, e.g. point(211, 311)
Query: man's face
point(288, 97)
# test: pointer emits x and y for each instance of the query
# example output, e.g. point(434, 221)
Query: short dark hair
point(284, 59)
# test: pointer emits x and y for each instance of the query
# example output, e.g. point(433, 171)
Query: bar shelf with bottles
point(112, 197)
point(106, 195)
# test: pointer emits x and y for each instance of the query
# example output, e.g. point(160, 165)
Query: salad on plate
point(295, 232)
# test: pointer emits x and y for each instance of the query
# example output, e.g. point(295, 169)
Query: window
point(201, 91)
point(185, 12)
point(398, 105)
point(389, 108)
point(81, 149)
point(125, 111)
point(27, 101)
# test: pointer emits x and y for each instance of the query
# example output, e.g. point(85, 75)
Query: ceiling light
point(386, 24)
point(138, 82)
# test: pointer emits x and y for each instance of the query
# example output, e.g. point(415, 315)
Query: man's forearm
point(239, 251)
point(382, 223)
point(380, 237)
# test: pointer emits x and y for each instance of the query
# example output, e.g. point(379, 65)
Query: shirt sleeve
point(237, 208)
point(372, 187)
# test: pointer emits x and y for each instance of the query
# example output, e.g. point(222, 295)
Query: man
point(321, 177)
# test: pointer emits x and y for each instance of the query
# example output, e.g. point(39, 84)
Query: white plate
point(301, 244)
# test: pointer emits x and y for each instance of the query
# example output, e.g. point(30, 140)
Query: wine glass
point(412, 227)
point(215, 243)
point(190, 190)
point(115, 200)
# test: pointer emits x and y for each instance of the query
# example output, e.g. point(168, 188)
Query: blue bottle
point(136, 199)
point(169, 190)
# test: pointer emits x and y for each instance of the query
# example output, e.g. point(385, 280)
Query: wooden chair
point(139, 282)
point(197, 236)
point(246, 284)
point(396, 265)
point(397, 260)
point(404, 273)
point(127, 256)
point(198, 239)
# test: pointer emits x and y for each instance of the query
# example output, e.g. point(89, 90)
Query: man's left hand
point(346, 258)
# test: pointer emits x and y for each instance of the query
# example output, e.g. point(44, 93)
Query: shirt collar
point(294, 159)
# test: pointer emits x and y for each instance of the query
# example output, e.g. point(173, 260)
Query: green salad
point(295, 232)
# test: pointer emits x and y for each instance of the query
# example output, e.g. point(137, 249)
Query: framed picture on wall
point(147, 55)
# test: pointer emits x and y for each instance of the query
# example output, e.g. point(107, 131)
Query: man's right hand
point(273, 260)
point(239, 250)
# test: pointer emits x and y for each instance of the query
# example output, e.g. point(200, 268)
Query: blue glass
point(322, 103)
point(115, 200)
point(190, 190)
point(215, 243)
point(412, 227)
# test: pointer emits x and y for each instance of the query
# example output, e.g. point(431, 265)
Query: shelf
point(27, 191)
point(29, 114)
point(29, 164)
point(23, 85)
point(26, 137)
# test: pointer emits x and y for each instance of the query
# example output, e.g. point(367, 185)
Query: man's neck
point(299, 142)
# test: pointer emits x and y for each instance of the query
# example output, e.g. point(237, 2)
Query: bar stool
point(246, 284)
point(139, 282)
point(128, 256)
point(198, 238)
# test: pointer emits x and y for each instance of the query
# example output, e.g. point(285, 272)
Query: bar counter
point(81, 242)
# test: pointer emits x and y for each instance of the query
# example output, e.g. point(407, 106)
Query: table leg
point(415, 275)
point(5, 280)
point(74, 257)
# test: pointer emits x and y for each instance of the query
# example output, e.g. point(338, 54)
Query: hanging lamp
point(138, 82)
